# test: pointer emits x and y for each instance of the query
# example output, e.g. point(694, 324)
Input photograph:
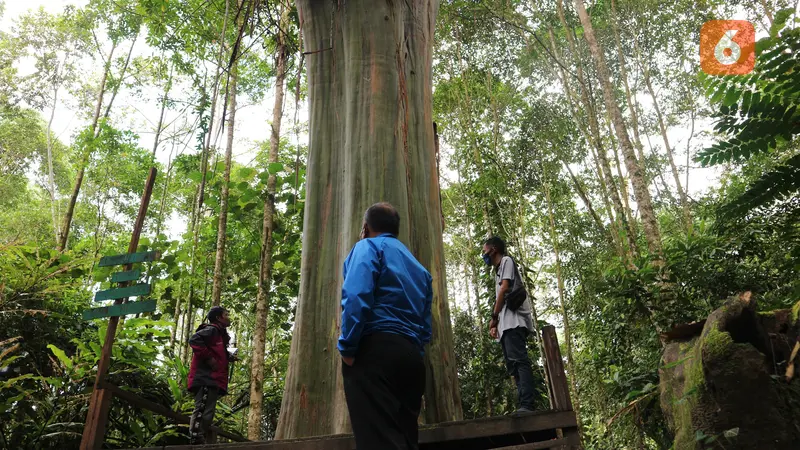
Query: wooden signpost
point(122, 309)
point(100, 401)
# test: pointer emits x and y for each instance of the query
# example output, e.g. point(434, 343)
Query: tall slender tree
point(267, 227)
point(245, 9)
point(640, 187)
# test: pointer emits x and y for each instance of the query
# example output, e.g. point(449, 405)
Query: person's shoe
point(523, 410)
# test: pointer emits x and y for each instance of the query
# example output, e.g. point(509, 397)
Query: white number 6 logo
point(727, 52)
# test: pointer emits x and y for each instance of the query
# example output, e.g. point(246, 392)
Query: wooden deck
point(555, 429)
point(525, 432)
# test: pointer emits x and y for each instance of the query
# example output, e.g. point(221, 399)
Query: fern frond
point(779, 184)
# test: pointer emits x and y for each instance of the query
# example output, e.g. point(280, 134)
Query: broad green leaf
point(60, 355)
point(275, 168)
point(246, 173)
point(195, 176)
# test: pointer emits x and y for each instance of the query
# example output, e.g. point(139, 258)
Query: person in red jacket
point(208, 375)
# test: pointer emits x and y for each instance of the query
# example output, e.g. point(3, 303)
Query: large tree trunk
point(262, 298)
point(371, 139)
point(640, 188)
point(67, 223)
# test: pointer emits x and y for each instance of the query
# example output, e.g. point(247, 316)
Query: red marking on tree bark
point(303, 397)
point(325, 215)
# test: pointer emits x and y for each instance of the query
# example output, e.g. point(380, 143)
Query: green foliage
point(758, 113)
point(486, 388)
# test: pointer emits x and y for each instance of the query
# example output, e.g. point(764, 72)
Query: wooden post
point(100, 401)
point(559, 389)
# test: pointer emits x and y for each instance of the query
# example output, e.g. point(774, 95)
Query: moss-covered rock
point(726, 384)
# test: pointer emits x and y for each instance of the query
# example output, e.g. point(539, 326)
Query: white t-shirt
point(511, 319)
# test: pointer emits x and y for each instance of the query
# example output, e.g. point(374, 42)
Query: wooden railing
point(139, 402)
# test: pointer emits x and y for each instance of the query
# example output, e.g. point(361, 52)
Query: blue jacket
point(385, 290)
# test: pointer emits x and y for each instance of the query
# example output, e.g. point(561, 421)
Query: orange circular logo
point(727, 47)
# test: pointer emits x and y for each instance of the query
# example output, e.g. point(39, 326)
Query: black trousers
point(384, 390)
point(205, 404)
point(518, 364)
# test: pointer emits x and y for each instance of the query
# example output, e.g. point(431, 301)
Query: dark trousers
point(384, 390)
point(205, 403)
point(518, 364)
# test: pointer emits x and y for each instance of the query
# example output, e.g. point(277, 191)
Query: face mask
point(487, 259)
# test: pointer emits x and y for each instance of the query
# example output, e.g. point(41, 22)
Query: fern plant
point(759, 113)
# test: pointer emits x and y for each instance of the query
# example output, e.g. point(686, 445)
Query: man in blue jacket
point(386, 322)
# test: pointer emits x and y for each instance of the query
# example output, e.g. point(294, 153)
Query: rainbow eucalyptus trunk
point(370, 139)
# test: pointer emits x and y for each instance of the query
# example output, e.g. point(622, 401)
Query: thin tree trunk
point(214, 98)
point(122, 74)
point(200, 197)
point(623, 181)
point(67, 223)
point(222, 227)
point(473, 282)
point(528, 288)
point(263, 296)
point(640, 189)
point(692, 115)
point(767, 11)
point(624, 75)
point(597, 142)
point(586, 201)
point(562, 305)
point(567, 88)
point(371, 139)
point(197, 218)
point(687, 216)
point(465, 103)
point(50, 176)
point(157, 138)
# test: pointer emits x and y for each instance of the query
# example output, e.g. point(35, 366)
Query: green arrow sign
point(128, 258)
point(128, 275)
point(131, 291)
point(122, 309)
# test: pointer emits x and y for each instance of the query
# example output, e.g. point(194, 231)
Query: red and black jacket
point(209, 342)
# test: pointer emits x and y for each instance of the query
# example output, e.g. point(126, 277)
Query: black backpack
point(517, 295)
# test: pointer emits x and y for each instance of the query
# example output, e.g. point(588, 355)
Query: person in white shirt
point(511, 327)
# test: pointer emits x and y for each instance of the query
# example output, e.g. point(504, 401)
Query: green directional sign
point(128, 258)
point(128, 275)
point(136, 290)
point(122, 309)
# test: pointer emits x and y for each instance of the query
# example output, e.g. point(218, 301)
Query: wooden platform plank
point(496, 426)
point(537, 445)
point(429, 436)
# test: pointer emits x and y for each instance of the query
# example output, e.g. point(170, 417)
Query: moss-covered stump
point(725, 387)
